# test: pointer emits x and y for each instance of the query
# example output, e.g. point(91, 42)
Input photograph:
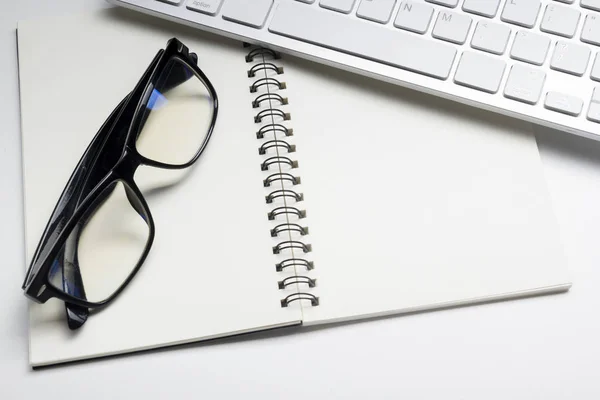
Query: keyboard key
point(413, 16)
point(487, 8)
point(452, 27)
point(525, 84)
point(410, 52)
point(490, 37)
point(563, 103)
point(591, 4)
point(570, 58)
point(252, 13)
point(210, 7)
point(566, 1)
point(306, 1)
point(560, 20)
point(174, 2)
point(594, 110)
point(343, 6)
point(595, 75)
point(447, 3)
point(521, 12)
point(591, 29)
point(376, 10)
point(530, 47)
point(480, 72)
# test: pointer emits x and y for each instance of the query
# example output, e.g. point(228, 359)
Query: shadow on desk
point(568, 147)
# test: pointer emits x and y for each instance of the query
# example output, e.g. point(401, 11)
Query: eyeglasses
point(101, 229)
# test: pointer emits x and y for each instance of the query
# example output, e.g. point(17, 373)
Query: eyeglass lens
point(177, 116)
point(102, 250)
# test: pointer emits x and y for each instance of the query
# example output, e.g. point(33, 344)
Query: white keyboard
point(537, 60)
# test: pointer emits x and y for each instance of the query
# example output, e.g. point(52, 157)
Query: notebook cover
point(412, 202)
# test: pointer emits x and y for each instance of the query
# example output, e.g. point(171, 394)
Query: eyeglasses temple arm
point(77, 315)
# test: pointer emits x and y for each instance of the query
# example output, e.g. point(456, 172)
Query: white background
point(538, 348)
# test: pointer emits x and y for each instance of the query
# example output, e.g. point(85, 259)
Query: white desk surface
point(539, 348)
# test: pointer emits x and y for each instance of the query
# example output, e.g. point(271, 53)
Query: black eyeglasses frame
point(126, 119)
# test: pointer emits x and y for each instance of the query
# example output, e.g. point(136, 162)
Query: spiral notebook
point(322, 197)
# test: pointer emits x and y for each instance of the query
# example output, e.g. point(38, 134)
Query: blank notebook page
point(414, 202)
point(210, 272)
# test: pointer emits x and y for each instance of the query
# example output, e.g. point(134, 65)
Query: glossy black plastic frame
point(117, 135)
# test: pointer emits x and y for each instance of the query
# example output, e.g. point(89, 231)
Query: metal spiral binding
point(303, 231)
point(281, 176)
point(278, 160)
point(269, 97)
point(266, 82)
point(264, 66)
point(276, 149)
point(270, 113)
point(314, 300)
point(297, 279)
point(286, 211)
point(281, 193)
point(292, 262)
point(292, 244)
point(273, 129)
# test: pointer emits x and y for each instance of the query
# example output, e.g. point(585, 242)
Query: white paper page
point(211, 270)
point(414, 202)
